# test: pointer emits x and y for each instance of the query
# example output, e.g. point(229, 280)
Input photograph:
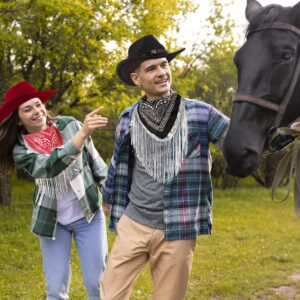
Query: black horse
point(268, 93)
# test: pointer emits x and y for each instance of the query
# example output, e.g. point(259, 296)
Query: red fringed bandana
point(44, 141)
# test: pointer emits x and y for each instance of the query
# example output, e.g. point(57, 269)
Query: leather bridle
point(278, 108)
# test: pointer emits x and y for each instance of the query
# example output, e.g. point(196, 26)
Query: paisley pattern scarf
point(44, 141)
point(159, 116)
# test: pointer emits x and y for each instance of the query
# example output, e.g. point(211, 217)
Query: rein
point(279, 108)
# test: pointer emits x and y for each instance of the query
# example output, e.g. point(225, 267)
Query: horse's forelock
point(270, 14)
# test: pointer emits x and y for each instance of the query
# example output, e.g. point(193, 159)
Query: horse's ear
point(296, 7)
point(295, 13)
point(253, 8)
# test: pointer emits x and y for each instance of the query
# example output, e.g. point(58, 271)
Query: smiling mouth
point(39, 118)
point(162, 81)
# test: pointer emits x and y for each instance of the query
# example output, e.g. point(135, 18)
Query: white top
point(68, 208)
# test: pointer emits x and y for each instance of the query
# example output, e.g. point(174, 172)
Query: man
point(158, 185)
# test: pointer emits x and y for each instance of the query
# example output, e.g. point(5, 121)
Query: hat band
point(155, 52)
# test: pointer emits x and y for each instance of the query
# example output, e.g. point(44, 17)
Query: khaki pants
point(135, 244)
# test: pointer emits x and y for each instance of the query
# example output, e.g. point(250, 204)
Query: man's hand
point(106, 208)
point(296, 126)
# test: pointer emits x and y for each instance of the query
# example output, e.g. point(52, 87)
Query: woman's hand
point(92, 121)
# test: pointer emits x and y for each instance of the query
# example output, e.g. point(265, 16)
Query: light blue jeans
point(91, 244)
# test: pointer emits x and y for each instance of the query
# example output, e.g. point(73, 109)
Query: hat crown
point(19, 94)
point(145, 47)
point(19, 90)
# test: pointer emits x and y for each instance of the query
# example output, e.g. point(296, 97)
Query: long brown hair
point(8, 137)
point(9, 131)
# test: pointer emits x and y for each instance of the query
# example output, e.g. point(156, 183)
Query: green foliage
point(74, 46)
point(254, 250)
point(220, 178)
point(209, 73)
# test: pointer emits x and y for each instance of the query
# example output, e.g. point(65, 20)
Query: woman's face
point(33, 115)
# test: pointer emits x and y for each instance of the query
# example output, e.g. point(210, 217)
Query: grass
point(254, 250)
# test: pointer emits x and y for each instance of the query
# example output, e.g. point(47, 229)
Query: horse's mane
point(268, 15)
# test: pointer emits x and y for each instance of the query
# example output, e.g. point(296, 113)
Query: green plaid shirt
point(187, 200)
point(85, 170)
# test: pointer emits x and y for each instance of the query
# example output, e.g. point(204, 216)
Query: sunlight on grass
point(253, 250)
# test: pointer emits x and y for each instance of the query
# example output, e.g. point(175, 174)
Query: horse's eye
point(287, 55)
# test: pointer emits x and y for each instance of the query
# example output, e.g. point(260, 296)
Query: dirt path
point(286, 291)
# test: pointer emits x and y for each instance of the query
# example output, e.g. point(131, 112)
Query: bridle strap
point(280, 109)
point(288, 95)
point(255, 100)
point(277, 25)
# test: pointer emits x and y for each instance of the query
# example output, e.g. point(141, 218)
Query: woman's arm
point(47, 166)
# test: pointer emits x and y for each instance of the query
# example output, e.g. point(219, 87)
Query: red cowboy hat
point(19, 94)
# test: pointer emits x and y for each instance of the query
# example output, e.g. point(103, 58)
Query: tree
point(209, 73)
point(73, 46)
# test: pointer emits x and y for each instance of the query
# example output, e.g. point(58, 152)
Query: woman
point(58, 153)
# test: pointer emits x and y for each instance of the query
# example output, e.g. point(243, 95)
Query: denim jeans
point(91, 244)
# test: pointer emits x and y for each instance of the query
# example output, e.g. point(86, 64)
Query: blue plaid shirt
point(187, 199)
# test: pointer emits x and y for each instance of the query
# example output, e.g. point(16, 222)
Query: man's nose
point(161, 71)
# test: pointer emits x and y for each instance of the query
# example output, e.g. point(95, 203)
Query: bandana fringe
point(161, 157)
point(57, 185)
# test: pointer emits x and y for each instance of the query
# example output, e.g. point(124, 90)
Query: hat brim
point(7, 108)
point(124, 68)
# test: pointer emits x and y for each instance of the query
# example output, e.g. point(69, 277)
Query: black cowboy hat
point(147, 47)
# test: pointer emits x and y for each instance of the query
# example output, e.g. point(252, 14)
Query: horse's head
point(268, 83)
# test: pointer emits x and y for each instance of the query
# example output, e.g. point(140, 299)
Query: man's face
point(154, 77)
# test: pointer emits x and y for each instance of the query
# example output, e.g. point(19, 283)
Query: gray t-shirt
point(145, 198)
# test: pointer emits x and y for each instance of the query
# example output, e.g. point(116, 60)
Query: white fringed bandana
point(161, 157)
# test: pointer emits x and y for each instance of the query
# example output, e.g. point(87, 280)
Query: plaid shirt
point(187, 200)
point(85, 168)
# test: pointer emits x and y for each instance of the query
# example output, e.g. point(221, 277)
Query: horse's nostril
point(248, 153)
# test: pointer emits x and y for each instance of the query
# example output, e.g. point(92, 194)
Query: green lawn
point(253, 253)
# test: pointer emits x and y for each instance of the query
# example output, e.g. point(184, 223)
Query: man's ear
point(135, 78)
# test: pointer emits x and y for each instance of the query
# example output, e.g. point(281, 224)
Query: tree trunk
point(5, 190)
